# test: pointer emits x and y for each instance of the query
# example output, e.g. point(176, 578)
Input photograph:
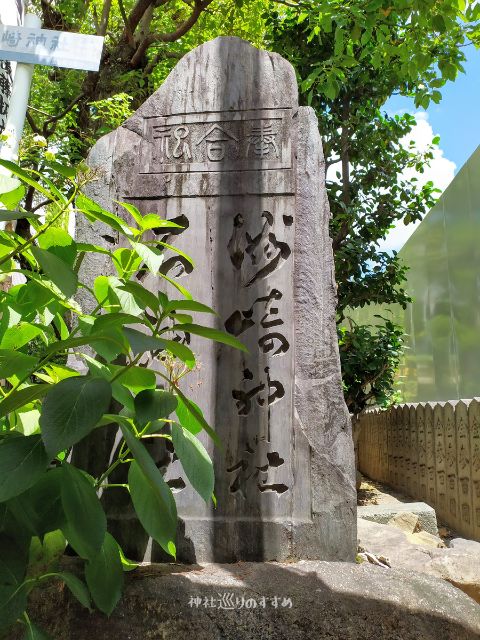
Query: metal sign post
point(29, 45)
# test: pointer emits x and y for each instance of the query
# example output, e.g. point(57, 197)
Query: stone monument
point(224, 149)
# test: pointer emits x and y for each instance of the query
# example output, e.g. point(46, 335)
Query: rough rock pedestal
point(295, 601)
point(224, 149)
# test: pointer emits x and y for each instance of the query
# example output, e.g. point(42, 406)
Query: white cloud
point(440, 172)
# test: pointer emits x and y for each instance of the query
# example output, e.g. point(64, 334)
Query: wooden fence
point(431, 452)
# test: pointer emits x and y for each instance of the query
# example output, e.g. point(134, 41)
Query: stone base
point(268, 601)
point(225, 541)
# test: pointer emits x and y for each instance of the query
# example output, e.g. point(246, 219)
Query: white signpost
point(29, 45)
point(51, 48)
point(11, 12)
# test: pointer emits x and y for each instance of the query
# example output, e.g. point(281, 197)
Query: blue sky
point(456, 119)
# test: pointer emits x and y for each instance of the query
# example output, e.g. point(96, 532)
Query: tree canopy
point(350, 58)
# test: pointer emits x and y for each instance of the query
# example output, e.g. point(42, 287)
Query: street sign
point(30, 45)
point(51, 48)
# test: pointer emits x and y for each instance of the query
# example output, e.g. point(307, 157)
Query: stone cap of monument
point(250, 79)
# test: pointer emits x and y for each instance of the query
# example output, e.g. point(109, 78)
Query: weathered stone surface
point(406, 521)
point(328, 601)
point(223, 148)
point(469, 546)
point(457, 566)
point(383, 513)
point(425, 538)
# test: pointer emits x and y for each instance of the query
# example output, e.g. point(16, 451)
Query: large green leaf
point(211, 334)
point(22, 461)
point(86, 523)
point(187, 305)
point(105, 322)
point(15, 363)
point(127, 300)
point(45, 553)
point(18, 336)
point(104, 574)
point(152, 404)
point(190, 415)
point(152, 257)
point(57, 270)
point(77, 587)
point(30, 299)
point(141, 342)
point(143, 296)
point(55, 293)
point(187, 419)
point(180, 351)
point(6, 216)
point(154, 505)
point(72, 409)
point(151, 496)
point(11, 192)
point(153, 221)
point(17, 399)
point(111, 342)
point(27, 178)
point(60, 243)
point(63, 345)
point(136, 378)
point(195, 461)
point(13, 566)
point(126, 262)
point(132, 210)
point(39, 509)
point(94, 211)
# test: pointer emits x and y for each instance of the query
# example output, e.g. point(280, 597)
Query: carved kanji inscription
point(223, 141)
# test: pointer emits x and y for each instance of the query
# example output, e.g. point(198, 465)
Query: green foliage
point(104, 575)
point(47, 407)
point(350, 57)
point(370, 357)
